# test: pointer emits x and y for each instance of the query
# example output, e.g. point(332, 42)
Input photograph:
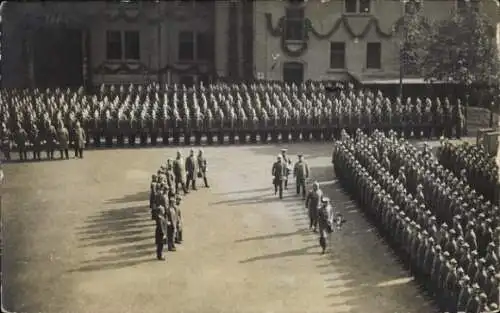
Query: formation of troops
point(119, 115)
point(446, 232)
point(473, 164)
point(175, 176)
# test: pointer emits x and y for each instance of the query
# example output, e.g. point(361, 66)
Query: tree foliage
point(415, 32)
point(463, 49)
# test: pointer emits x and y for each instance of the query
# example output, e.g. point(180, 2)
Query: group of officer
point(446, 233)
point(321, 213)
point(473, 164)
point(165, 199)
point(120, 115)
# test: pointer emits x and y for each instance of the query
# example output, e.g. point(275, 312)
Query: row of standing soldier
point(48, 138)
point(260, 110)
point(455, 267)
point(165, 199)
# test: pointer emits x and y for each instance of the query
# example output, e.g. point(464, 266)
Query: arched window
point(294, 25)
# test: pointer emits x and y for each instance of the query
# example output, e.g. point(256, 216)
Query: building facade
point(90, 43)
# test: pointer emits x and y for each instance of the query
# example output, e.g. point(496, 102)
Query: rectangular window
point(351, 6)
point(294, 25)
point(113, 45)
point(337, 55)
point(373, 55)
point(203, 47)
point(132, 45)
point(186, 46)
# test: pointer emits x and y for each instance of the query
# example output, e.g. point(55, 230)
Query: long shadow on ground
point(122, 237)
point(355, 267)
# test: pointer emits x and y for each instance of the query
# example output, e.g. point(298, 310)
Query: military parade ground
point(383, 224)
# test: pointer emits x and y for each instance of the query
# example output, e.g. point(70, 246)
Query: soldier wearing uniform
point(80, 140)
point(278, 172)
point(63, 137)
point(21, 138)
point(301, 173)
point(287, 162)
point(172, 222)
point(160, 231)
point(202, 167)
point(325, 222)
point(179, 169)
point(6, 142)
point(313, 203)
point(191, 170)
point(36, 139)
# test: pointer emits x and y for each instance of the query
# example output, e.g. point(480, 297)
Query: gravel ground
point(78, 238)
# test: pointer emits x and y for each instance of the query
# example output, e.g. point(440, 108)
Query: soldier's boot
point(97, 141)
point(51, 154)
point(66, 154)
point(164, 139)
point(242, 138)
point(7, 155)
point(285, 136)
point(175, 139)
point(322, 243)
point(210, 138)
point(178, 240)
point(61, 154)
point(263, 137)
point(159, 252)
point(154, 139)
point(197, 139)
point(232, 138)
point(206, 181)
point(187, 138)
point(119, 140)
point(144, 139)
point(220, 138)
point(281, 191)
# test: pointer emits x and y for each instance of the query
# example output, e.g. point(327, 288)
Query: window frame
point(369, 64)
point(357, 10)
point(295, 21)
point(108, 42)
point(195, 44)
point(123, 46)
point(336, 52)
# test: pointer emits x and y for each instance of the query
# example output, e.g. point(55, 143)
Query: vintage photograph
point(253, 156)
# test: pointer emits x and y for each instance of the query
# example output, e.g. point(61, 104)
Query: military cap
point(444, 225)
point(482, 261)
point(453, 262)
point(466, 245)
point(325, 199)
point(446, 254)
point(407, 219)
point(491, 244)
point(425, 233)
point(466, 278)
point(402, 213)
point(438, 248)
point(483, 296)
point(476, 286)
point(452, 232)
point(279, 157)
point(284, 150)
point(474, 253)
point(493, 306)
point(491, 269)
point(460, 270)
point(432, 218)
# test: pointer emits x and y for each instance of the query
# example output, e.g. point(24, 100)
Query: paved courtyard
point(78, 238)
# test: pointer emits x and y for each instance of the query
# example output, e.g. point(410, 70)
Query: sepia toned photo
point(250, 156)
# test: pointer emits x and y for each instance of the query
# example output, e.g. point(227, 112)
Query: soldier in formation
point(165, 203)
point(240, 111)
point(456, 261)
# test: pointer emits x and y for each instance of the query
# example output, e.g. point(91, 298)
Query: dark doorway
point(293, 72)
point(58, 58)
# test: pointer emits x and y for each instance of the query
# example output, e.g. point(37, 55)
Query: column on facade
point(221, 37)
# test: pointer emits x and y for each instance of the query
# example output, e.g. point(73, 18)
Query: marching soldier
point(63, 138)
point(287, 162)
point(80, 139)
point(178, 237)
point(313, 203)
point(279, 172)
point(301, 173)
point(202, 167)
point(191, 170)
point(325, 222)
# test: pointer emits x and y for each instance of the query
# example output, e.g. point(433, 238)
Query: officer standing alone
point(279, 173)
